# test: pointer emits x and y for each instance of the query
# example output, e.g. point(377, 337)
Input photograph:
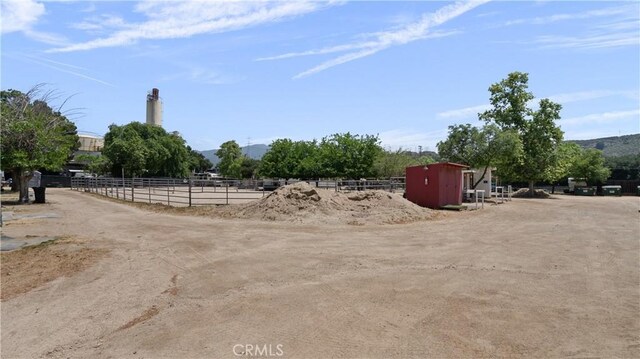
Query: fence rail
point(207, 192)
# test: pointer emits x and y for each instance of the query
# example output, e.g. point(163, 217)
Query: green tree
point(348, 156)
point(96, 164)
point(278, 161)
point(230, 156)
point(289, 159)
point(393, 163)
point(145, 150)
point(625, 167)
point(33, 135)
point(249, 167)
point(568, 153)
point(590, 166)
point(480, 148)
point(537, 130)
point(197, 162)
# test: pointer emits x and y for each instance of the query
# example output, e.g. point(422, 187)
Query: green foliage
point(537, 131)
point(348, 156)
point(33, 135)
point(624, 167)
point(393, 163)
point(197, 161)
point(97, 164)
point(231, 157)
point(481, 148)
point(145, 150)
point(567, 155)
point(338, 155)
point(590, 166)
point(249, 167)
point(289, 159)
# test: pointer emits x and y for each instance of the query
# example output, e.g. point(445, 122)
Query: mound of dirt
point(524, 193)
point(300, 202)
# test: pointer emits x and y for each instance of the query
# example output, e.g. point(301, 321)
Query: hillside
point(613, 146)
point(253, 151)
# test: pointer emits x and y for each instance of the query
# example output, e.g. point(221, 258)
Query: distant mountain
point(613, 146)
point(253, 151)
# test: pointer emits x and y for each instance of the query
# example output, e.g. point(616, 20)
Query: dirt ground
point(529, 278)
point(24, 270)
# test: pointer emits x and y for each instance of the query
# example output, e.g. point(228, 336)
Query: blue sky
point(257, 71)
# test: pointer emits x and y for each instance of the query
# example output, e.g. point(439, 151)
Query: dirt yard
point(528, 278)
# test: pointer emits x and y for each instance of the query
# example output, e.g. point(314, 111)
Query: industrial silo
point(154, 108)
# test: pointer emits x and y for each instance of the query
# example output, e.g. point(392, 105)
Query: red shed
point(435, 185)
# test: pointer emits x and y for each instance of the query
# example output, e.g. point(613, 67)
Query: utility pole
point(249, 147)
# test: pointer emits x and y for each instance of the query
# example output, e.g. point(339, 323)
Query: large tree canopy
point(537, 130)
point(197, 161)
point(231, 157)
point(568, 154)
point(480, 148)
point(290, 159)
point(145, 150)
point(338, 155)
point(589, 165)
point(34, 136)
point(394, 163)
point(348, 156)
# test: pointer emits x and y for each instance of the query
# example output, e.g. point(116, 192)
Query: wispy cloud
point(171, 20)
point(607, 27)
point(589, 41)
point(604, 117)
point(199, 74)
point(465, 112)
point(399, 36)
point(66, 68)
point(606, 12)
point(22, 16)
point(570, 97)
point(347, 47)
point(19, 15)
point(563, 98)
point(101, 24)
point(408, 139)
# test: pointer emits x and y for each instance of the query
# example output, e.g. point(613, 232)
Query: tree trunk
point(23, 184)
point(531, 189)
point(474, 185)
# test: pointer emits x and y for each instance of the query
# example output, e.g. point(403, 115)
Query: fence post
point(133, 187)
point(189, 192)
point(168, 200)
point(227, 189)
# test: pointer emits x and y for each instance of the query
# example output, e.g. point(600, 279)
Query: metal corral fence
point(172, 192)
point(206, 192)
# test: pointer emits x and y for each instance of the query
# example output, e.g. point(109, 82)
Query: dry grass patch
point(30, 267)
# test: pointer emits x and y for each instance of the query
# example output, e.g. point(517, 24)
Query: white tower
point(154, 108)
